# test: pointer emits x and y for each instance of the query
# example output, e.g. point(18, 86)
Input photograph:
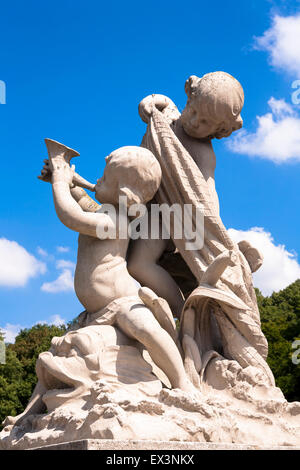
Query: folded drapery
point(183, 183)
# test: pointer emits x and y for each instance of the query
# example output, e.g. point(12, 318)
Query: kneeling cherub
point(102, 281)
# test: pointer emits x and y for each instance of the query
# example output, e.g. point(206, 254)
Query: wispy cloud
point(11, 331)
point(17, 265)
point(280, 267)
point(63, 249)
point(62, 264)
point(42, 252)
point(64, 282)
point(282, 41)
point(277, 137)
point(56, 320)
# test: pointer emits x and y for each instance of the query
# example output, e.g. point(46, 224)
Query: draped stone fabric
point(183, 183)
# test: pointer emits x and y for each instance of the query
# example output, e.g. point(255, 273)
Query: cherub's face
point(196, 124)
point(107, 187)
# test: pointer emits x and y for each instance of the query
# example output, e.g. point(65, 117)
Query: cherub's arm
point(86, 203)
point(68, 210)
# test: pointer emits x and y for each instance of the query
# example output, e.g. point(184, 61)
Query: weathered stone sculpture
point(125, 372)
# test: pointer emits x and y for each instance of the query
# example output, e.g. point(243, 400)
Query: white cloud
point(10, 332)
point(280, 267)
point(62, 264)
point(276, 138)
point(282, 42)
point(280, 108)
point(56, 320)
point(63, 283)
point(42, 252)
point(17, 266)
point(53, 320)
point(63, 249)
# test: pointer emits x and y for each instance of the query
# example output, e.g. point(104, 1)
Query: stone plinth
point(110, 444)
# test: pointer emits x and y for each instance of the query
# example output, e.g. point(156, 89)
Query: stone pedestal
point(110, 444)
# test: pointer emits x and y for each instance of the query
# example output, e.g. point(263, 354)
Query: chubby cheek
point(189, 116)
point(193, 122)
point(100, 194)
point(105, 194)
point(199, 130)
point(204, 128)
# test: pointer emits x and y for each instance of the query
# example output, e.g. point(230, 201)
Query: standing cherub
point(212, 111)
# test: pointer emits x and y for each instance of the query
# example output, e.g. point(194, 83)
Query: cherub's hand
point(62, 172)
point(162, 103)
point(46, 172)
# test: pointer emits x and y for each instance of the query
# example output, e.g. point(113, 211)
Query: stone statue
point(125, 372)
point(212, 110)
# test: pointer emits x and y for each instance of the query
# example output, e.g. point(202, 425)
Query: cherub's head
point(133, 172)
point(214, 105)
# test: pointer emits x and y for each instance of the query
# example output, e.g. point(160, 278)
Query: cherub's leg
point(139, 323)
point(142, 265)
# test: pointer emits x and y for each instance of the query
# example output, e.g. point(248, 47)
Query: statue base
point(110, 444)
point(129, 406)
point(116, 420)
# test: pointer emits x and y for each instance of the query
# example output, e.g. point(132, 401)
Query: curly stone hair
point(220, 97)
point(139, 173)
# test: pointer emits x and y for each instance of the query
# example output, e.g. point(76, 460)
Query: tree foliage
point(17, 375)
point(280, 320)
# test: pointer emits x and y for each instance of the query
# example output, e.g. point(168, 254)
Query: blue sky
point(76, 71)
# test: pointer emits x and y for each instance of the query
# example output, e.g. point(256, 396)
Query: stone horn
point(58, 151)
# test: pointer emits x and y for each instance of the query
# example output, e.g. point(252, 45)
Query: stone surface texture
point(124, 376)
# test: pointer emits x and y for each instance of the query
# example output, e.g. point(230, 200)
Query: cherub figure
point(212, 111)
point(102, 281)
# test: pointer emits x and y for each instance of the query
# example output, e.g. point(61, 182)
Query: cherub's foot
point(187, 386)
point(12, 420)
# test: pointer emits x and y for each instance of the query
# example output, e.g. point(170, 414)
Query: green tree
point(2, 347)
point(11, 386)
point(280, 319)
point(17, 375)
